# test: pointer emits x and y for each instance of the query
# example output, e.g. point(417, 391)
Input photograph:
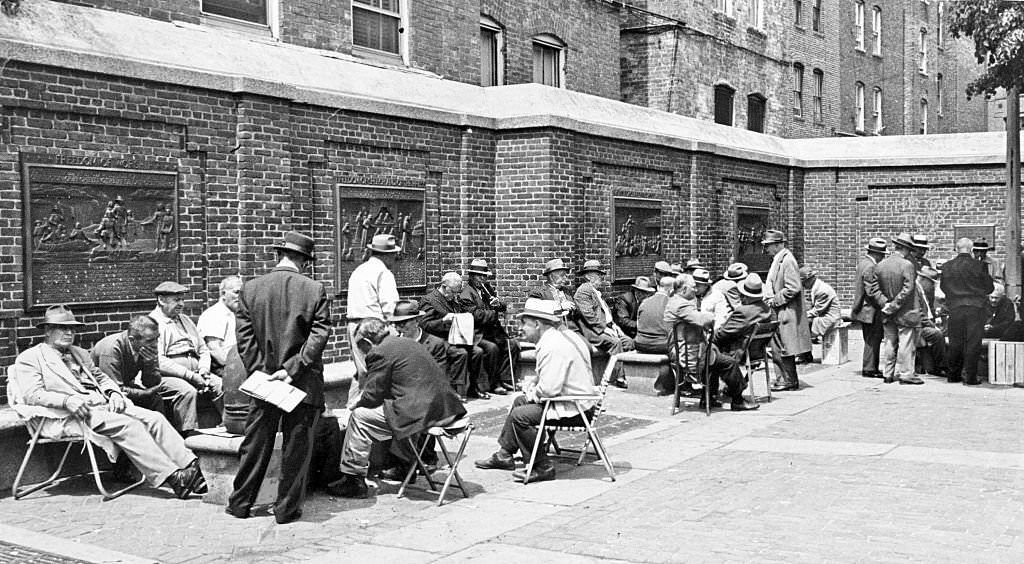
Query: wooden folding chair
point(34, 418)
point(547, 427)
point(461, 428)
point(756, 357)
point(680, 365)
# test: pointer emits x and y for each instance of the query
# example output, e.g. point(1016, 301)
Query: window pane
point(389, 5)
point(375, 30)
point(488, 57)
point(389, 34)
point(723, 105)
point(755, 113)
point(254, 11)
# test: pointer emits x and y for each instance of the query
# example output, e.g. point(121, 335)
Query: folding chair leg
point(767, 378)
point(107, 496)
point(599, 447)
point(676, 377)
point(552, 442)
point(453, 466)
point(418, 464)
point(583, 451)
point(16, 491)
point(536, 444)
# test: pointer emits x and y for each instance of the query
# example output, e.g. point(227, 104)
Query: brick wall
point(815, 50)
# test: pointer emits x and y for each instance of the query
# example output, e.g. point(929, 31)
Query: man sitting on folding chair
point(56, 374)
point(563, 369)
point(731, 338)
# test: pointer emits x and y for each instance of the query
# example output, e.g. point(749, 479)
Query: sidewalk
point(847, 469)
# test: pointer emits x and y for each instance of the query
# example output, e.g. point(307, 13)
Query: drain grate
point(16, 554)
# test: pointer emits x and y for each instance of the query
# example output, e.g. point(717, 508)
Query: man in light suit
point(867, 301)
point(556, 287)
point(784, 294)
point(901, 316)
point(282, 324)
point(595, 319)
point(57, 375)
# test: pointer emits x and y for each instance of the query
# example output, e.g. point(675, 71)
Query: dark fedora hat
point(406, 309)
point(981, 245)
point(297, 243)
point(905, 240)
point(384, 243)
point(773, 236)
point(752, 286)
point(479, 266)
point(876, 245)
point(592, 265)
point(59, 315)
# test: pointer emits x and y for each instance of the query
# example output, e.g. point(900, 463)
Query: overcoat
point(784, 294)
point(867, 299)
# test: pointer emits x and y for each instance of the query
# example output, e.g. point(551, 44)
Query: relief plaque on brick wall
point(975, 233)
point(97, 230)
point(365, 211)
point(636, 237)
point(751, 223)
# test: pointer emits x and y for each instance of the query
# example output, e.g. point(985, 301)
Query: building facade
point(812, 44)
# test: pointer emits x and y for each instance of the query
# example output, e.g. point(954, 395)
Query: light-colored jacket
point(563, 369)
point(784, 293)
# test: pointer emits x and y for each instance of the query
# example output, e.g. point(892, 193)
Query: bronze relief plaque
point(751, 223)
point(97, 230)
point(364, 211)
point(636, 237)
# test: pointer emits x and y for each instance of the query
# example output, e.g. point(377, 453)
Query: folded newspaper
point(276, 392)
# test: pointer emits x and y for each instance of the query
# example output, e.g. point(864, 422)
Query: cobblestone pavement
point(845, 470)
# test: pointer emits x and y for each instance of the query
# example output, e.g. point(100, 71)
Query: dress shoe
point(743, 405)
point(872, 374)
point(349, 486)
point(539, 474)
point(785, 387)
point(618, 384)
point(237, 513)
point(974, 382)
point(499, 391)
point(200, 488)
point(888, 379)
point(913, 380)
point(954, 379)
point(183, 481)
point(285, 519)
point(714, 404)
point(497, 461)
point(396, 473)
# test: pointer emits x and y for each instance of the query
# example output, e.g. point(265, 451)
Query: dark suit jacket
point(436, 347)
point(486, 319)
point(546, 292)
point(999, 317)
point(897, 278)
point(414, 391)
point(966, 282)
point(114, 356)
point(732, 335)
point(867, 298)
point(436, 306)
point(625, 311)
point(283, 321)
point(652, 330)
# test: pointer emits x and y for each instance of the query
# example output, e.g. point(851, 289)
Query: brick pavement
point(846, 470)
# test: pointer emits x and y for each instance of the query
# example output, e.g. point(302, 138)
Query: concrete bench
point(642, 370)
point(1005, 362)
point(835, 345)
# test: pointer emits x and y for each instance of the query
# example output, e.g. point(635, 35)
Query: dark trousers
point(257, 447)
point(872, 333)
point(966, 327)
point(483, 360)
point(786, 366)
point(725, 368)
point(458, 369)
point(932, 354)
point(520, 430)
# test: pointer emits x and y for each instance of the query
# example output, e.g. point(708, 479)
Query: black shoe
point(785, 387)
point(872, 374)
point(349, 486)
point(496, 462)
point(395, 473)
point(237, 513)
point(539, 474)
point(618, 384)
point(499, 391)
point(974, 382)
point(714, 404)
point(183, 481)
point(889, 380)
point(284, 520)
point(743, 405)
point(200, 488)
point(954, 379)
point(914, 380)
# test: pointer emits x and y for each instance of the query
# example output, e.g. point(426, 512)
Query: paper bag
point(461, 332)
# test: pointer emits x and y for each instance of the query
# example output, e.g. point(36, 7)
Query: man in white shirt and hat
point(372, 294)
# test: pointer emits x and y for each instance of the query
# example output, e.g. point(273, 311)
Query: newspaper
point(276, 392)
point(461, 332)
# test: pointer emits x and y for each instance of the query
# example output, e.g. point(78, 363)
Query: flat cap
point(169, 289)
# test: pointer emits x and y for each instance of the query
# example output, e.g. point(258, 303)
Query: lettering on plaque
point(975, 233)
point(636, 237)
point(364, 211)
point(97, 231)
point(751, 223)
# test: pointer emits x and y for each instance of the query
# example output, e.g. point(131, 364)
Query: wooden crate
point(1005, 362)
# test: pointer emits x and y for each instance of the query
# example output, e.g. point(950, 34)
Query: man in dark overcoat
point(626, 310)
point(866, 305)
point(478, 298)
point(282, 324)
point(783, 292)
point(966, 282)
point(406, 393)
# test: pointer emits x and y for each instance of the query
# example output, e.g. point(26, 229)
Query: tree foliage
point(997, 29)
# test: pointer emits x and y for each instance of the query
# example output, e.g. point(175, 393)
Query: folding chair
point(680, 363)
point(756, 356)
point(547, 428)
point(35, 418)
point(452, 432)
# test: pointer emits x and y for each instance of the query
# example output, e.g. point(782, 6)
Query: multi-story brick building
point(901, 72)
point(812, 44)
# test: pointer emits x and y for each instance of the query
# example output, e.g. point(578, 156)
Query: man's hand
point(78, 407)
point(281, 374)
point(889, 309)
point(117, 402)
point(495, 302)
point(148, 354)
point(448, 317)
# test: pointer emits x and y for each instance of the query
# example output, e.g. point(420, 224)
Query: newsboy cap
point(170, 288)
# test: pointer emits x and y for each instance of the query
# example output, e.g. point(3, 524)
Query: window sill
point(799, 27)
point(860, 50)
point(797, 117)
point(383, 57)
point(922, 73)
point(760, 33)
point(877, 56)
point(237, 26)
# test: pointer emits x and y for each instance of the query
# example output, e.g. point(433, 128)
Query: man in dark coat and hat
point(966, 282)
point(867, 303)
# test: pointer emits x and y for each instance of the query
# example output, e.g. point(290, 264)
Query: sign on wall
point(975, 233)
point(751, 224)
point(636, 237)
point(97, 230)
point(365, 211)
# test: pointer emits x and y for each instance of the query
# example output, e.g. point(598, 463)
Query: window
point(548, 60)
point(798, 89)
point(941, 35)
point(252, 11)
point(816, 16)
point(759, 14)
point(377, 25)
point(860, 107)
point(877, 113)
point(723, 104)
point(923, 52)
point(876, 29)
point(755, 113)
point(924, 116)
point(724, 6)
point(819, 88)
point(492, 60)
point(798, 12)
point(858, 24)
point(938, 94)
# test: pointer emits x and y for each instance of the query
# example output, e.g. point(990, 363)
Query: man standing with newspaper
point(283, 322)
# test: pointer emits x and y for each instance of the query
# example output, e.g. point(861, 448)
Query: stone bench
point(835, 345)
point(1005, 362)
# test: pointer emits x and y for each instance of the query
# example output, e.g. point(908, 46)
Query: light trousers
point(899, 350)
point(147, 438)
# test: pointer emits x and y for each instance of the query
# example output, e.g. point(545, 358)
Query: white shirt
point(372, 291)
point(218, 322)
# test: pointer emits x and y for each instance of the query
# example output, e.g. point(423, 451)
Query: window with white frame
point(876, 29)
point(759, 14)
point(924, 116)
point(798, 89)
point(725, 6)
point(860, 107)
point(250, 11)
point(923, 52)
point(798, 12)
point(858, 24)
point(492, 47)
point(816, 16)
point(877, 112)
point(819, 89)
point(548, 60)
point(938, 93)
point(941, 21)
point(377, 25)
